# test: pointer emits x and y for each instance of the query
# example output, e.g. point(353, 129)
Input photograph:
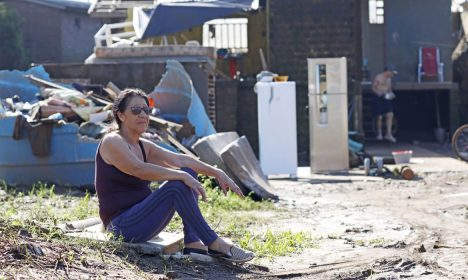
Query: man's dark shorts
point(381, 106)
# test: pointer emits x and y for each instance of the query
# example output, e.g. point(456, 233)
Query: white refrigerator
point(277, 132)
point(328, 114)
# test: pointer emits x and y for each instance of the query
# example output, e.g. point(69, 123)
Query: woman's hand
point(194, 184)
point(227, 183)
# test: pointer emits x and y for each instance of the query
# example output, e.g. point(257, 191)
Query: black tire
point(460, 142)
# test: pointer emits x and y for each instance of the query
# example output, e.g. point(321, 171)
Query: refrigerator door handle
point(271, 95)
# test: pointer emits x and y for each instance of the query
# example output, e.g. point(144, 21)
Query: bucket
point(402, 156)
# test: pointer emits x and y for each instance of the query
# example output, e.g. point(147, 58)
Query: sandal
point(235, 254)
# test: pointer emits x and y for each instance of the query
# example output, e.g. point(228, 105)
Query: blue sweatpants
point(149, 217)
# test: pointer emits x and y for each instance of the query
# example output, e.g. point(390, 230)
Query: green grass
point(40, 209)
point(270, 244)
point(42, 190)
point(223, 210)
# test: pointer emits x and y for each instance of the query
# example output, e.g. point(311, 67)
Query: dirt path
point(389, 228)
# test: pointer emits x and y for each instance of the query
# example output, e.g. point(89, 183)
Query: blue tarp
point(171, 17)
point(175, 95)
point(15, 82)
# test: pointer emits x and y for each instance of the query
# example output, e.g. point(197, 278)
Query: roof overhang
point(116, 8)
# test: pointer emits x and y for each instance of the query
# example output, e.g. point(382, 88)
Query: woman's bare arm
point(114, 150)
point(163, 157)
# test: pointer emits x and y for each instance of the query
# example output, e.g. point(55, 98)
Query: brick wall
point(302, 29)
point(226, 105)
point(247, 120)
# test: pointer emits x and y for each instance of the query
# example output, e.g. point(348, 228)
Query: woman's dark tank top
point(116, 190)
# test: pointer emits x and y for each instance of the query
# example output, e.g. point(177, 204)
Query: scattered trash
point(376, 168)
point(406, 172)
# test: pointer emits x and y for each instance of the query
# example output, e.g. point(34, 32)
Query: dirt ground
point(383, 229)
point(367, 228)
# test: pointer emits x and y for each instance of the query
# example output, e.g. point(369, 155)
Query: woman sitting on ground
point(125, 166)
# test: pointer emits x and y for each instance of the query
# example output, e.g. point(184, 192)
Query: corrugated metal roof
point(63, 4)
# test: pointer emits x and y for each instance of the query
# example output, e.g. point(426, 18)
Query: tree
point(12, 54)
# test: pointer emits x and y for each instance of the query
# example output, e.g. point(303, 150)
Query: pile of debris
point(34, 107)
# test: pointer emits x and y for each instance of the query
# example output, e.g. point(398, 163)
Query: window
point(376, 11)
point(230, 33)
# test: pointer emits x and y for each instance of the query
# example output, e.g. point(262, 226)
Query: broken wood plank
point(165, 125)
point(44, 83)
point(160, 123)
point(113, 90)
point(181, 147)
point(157, 121)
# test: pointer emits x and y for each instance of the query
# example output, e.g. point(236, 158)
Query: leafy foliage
point(11, 49)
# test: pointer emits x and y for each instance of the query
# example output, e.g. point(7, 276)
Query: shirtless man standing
point(382, 103)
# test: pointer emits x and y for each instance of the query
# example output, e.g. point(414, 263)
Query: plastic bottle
point(56, 116)
point(367, 166)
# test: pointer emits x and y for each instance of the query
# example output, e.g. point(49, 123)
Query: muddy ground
point(366, 229)
point(387, 229)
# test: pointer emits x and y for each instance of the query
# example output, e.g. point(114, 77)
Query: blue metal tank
point(70, 162)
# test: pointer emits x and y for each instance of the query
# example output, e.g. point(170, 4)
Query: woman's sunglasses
point(136, 110)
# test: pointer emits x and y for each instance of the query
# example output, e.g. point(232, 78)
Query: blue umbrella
point(171, 17)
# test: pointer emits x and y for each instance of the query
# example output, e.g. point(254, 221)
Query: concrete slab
point(355, 175)
point(435, 164)
point(209, 148)
point(384, 149)
point(165, 243)
point(426, 158)
point(240, 159)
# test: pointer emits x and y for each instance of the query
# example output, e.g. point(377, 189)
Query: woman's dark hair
point(121, 103)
